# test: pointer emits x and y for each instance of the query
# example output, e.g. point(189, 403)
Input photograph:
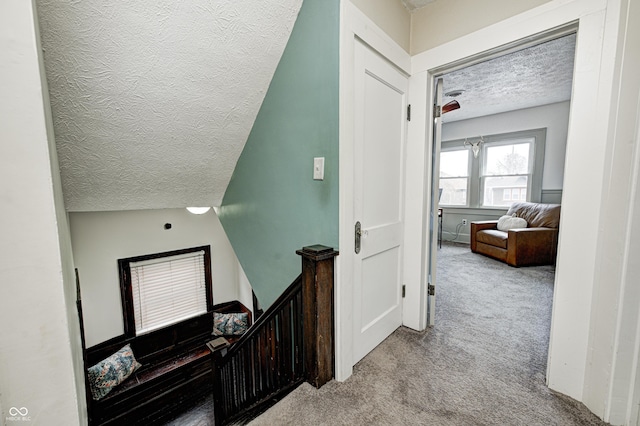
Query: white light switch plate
point(318, 168)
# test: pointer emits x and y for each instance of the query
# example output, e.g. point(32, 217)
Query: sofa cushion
point(493, 237)
point(537, 215)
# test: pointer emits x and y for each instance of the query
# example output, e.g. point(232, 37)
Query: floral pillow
point(230, 324)
point(111, 371)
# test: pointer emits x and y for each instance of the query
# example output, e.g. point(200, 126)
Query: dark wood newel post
point(317, 302)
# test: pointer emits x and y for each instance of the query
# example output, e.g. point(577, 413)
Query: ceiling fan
point(450, 106)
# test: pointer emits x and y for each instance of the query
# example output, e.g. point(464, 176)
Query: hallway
point(483, 363)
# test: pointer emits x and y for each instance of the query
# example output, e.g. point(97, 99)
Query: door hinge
point(437, 111)
point(409, 112)
point(404, 290)
point(432, 290)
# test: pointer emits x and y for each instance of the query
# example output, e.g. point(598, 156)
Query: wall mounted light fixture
point(198, 210)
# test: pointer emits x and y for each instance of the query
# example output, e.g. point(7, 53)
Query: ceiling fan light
point(454, 93)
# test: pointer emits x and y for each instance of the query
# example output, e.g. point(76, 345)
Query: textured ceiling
point(531, 77)
point(153, 100)
point(412, 5)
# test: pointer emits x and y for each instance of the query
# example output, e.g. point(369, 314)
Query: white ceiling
point(412, 5)
point(153, 100)
point(535, 76)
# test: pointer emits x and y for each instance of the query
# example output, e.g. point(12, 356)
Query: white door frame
point(585, 170)
point(353, 24)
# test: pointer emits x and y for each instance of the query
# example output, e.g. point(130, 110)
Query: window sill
point(475, 210)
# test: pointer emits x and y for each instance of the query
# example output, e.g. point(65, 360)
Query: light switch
point(318, 168)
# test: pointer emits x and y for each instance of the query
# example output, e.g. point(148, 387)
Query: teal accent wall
point(272, 206)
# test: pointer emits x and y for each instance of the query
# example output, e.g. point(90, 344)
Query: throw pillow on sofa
point(511, 222)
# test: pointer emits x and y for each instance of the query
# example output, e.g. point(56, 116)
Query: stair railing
point(291, 342)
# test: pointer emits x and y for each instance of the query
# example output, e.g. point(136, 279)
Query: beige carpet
point(482, 364)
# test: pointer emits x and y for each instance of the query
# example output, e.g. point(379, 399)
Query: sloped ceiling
point(153, 100)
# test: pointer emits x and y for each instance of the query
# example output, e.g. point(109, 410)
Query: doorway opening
point(503, 142)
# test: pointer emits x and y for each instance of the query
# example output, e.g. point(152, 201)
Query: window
point(162, 289)
point(508, 169)
point(454, 177)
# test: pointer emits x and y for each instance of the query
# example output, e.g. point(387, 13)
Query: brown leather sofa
point(537, 244)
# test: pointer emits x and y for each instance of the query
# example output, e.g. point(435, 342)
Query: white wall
point(442, 21)
point(391, 16)
point(555, 117)
point(99, 239)
point(40, 358)
point(628, 377)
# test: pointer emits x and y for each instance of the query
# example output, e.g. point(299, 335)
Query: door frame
point(433, 75)
point(354, 24)
point(569, 350)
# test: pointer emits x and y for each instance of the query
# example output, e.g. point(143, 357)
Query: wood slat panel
point(264, 361)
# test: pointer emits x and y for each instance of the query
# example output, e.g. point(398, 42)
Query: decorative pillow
point(234, 324)
point(111, 371)
point(511, 222)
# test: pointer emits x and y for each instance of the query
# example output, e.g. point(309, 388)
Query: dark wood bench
point(176, 370)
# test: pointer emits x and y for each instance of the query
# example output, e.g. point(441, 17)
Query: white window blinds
point(168, 290)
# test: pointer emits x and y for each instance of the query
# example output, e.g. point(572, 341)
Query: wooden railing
point(290, 343)
point(266, 360)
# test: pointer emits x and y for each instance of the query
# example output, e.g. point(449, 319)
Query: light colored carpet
point(482, 364)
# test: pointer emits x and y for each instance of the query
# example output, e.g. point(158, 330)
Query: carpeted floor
point(482, 364)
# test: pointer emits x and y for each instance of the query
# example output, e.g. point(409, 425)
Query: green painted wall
point(273, 206)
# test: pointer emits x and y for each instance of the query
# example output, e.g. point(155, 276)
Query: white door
point(435, 198)
point(380, 130)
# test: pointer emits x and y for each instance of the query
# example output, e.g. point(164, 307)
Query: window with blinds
point(165, 288)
